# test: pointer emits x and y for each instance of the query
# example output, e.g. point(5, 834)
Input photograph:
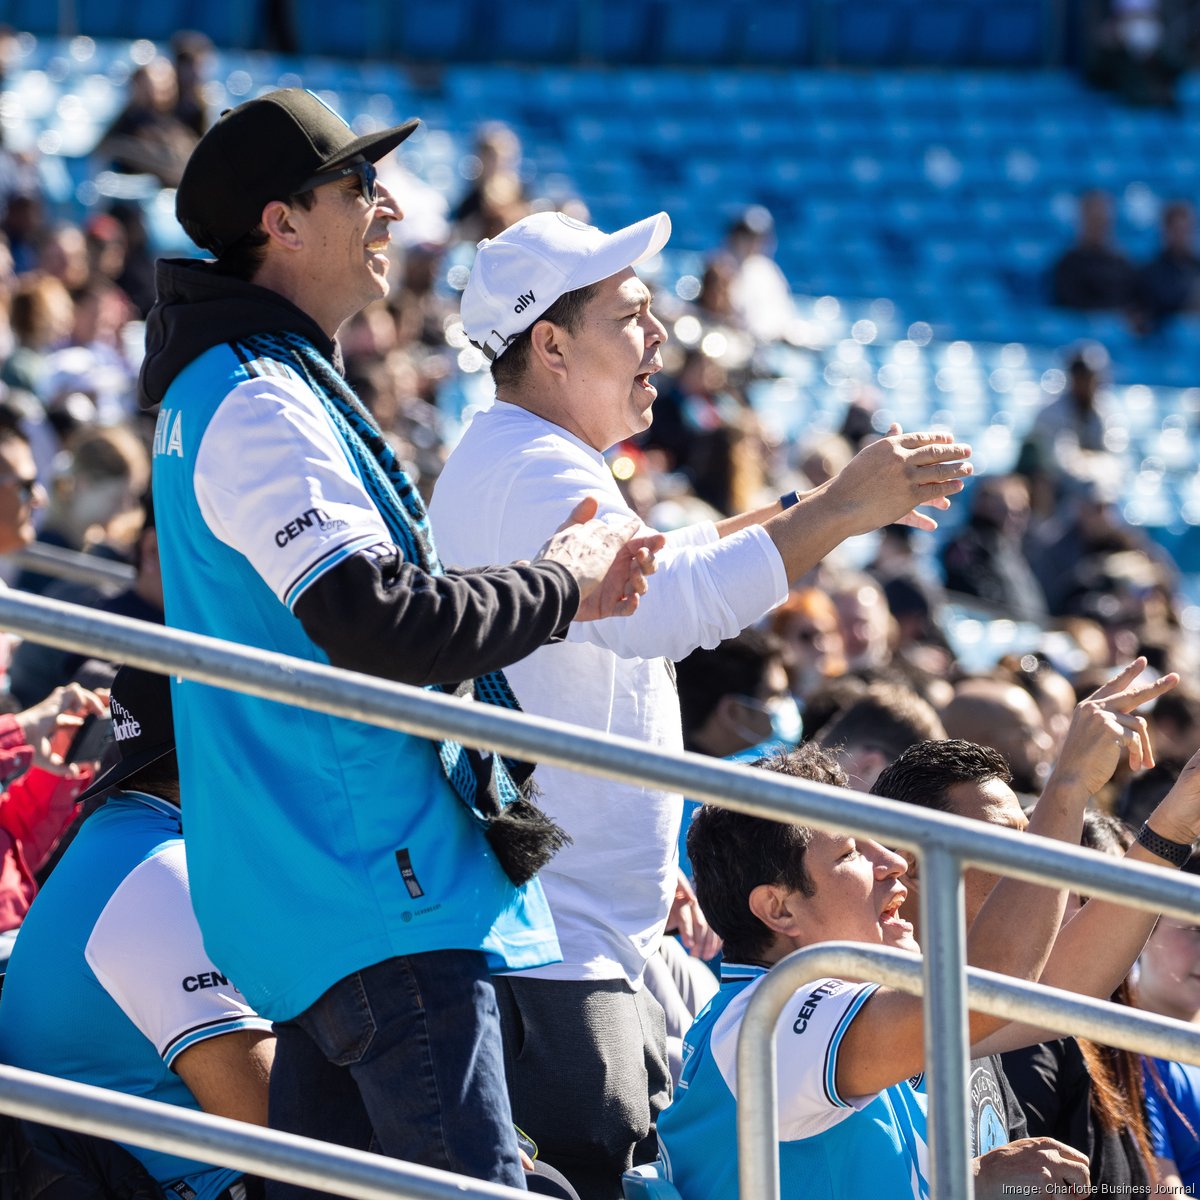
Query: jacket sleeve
point(37, 809)
point(379, 615)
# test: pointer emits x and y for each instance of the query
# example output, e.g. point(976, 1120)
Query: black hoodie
point(373, 612)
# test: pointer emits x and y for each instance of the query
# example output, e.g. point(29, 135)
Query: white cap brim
point(625, 248)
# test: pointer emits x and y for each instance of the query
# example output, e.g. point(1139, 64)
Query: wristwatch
point(1176, 853)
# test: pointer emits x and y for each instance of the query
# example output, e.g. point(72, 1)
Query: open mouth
point(643, 381)
point(379, 246)
point(890, 917)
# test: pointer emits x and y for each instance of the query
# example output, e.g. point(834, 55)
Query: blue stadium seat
point(776, 33)
point(616, 32)
point(1011, 34)
point(870, 33)
point(531, 31)
point(450, 30)
point(98, 18)
point(939, 34)
point(697, 32)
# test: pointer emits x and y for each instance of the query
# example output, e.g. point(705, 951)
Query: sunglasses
point(367, 177)
point(25, 487)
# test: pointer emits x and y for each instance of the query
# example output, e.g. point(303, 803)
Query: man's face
point(857, 893)
point(1168, 979)
point(610, 359)
point(346, 244)
point(20, 496)
point(992, 802)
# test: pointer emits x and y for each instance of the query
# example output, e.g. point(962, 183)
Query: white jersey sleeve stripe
point(210, 1029)
point(835, 1043)
point(146, 951)
point(327, 563)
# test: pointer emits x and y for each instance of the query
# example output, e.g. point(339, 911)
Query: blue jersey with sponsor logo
point(109, 982)
point(832, 1147)
point(317, 845)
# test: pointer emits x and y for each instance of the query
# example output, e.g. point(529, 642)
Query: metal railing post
point(943, 940)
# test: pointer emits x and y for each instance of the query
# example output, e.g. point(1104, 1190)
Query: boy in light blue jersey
point(850, 1052)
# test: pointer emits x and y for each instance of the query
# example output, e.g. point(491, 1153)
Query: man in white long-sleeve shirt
point(557, 308)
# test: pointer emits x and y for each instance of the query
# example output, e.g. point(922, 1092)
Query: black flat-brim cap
point(261, 151)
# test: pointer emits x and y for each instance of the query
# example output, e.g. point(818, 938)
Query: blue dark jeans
point(403, 1058)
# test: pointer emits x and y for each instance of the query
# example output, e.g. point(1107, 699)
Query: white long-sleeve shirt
point(509, 484)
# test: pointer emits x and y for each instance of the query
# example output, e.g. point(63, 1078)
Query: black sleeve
point(1041, 1077)
point(377, 614)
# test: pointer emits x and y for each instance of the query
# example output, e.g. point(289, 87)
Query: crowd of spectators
point(865, 656)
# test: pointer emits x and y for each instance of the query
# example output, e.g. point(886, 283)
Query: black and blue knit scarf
point(497, 790)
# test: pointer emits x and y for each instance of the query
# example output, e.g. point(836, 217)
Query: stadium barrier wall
point(944, 845)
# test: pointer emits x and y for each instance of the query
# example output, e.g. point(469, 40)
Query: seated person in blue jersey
point(851, 1108)
point(109, 983)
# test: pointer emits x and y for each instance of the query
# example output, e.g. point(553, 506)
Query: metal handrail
point(998, 995)
point(73, 565)
point(228, 1143)
point(943, 843)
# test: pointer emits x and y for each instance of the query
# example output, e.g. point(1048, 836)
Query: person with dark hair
point(1094, 951)
point(387, 874)
point(109, 983)
point(876, 728)
point(1094, 274)
point(735, 696)
point(1087, 1095)
point(851, 1109)
point(559, 311)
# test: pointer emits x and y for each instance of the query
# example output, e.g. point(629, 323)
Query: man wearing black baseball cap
point(109, 983)
point(359, 884)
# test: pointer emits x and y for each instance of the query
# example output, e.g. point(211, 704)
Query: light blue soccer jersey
point(832, 1147)
point(317, 846)
point(109, 983)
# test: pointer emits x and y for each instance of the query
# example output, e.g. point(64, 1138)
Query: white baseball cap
point(519, 275)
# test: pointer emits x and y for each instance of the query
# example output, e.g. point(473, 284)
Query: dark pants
point(403, 1058)
point(587, 1074)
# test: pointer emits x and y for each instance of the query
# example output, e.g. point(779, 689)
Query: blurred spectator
point(147, 138)
point(62, 252)
point(20, 493)
point(191, 56)
point(421, 310)
point(759, 293)
point(986, 559)
point(864, 619)
point(735, 696)
point(1005, 717)
point(496, 197)
point(1051, 690)
point(807, 625)
point(875, 729)
point(1093, 274)
point(88, 378)
point(1175, 724)
point(1142, 792)
point(24, 224)
point(1170, 282)
point(136, 279)
point(99, 479)
point(41, 314)
point(1136, 48)
point(36, 668)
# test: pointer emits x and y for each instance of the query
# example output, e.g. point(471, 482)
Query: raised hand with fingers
point(1104, 726)
point(887, 481)
point(51, 725)
point(610, 562)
